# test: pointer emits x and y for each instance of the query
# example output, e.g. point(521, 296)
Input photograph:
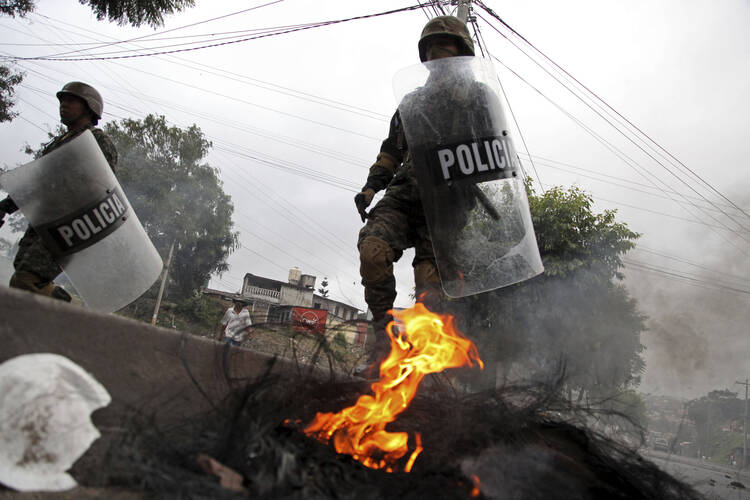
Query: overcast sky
point(318, 101)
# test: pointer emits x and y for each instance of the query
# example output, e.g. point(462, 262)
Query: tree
point(177, 197)
point(15, 8)
point(575, 316)
point(323, 290)
point(136, 12)
point(711, 412)
point(8, 82)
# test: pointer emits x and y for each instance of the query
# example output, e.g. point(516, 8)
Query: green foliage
point(176, 196)
point(711, 412)
point(572, 237)
point(136, 12)
point(8, 81)
point(15, 8)
point(575, 316)
point(201, 309)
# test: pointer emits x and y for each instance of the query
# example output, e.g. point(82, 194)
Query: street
point(713, 480)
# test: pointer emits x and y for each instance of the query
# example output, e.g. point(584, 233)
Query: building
point(295, 302)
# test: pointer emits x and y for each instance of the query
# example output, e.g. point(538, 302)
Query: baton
point(485, 202)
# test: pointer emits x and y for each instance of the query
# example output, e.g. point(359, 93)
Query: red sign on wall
point(309, 320)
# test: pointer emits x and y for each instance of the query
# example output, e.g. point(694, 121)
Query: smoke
point(698, 338)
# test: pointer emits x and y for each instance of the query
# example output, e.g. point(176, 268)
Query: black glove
point(363, 200)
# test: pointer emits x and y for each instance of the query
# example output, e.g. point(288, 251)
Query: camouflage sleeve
point(390, 157)
point(107, 147)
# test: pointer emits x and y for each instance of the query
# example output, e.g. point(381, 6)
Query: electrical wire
point(639, 146)
point(212, 45)
point(175, 29)
point(624, 157)
point(602, 101)
point(479, 36)
point(234, 76)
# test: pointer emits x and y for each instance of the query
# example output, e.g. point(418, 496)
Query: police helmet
point(446, 26)
point(86, 92)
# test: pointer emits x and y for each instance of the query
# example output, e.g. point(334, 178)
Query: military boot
point(378, 351)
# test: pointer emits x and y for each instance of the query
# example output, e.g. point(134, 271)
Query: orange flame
point(428, 343)
point(475, 491)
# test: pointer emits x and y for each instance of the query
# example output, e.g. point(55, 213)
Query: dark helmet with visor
point(446, 26)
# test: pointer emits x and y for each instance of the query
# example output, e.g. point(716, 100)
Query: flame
point(427, 343)
point(475, 491)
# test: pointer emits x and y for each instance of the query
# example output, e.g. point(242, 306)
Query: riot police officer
point(397, 221)
point(81, 108)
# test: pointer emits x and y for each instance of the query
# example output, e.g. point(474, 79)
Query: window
point(316, 305)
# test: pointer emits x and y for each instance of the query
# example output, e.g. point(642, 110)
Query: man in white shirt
point(236, 324)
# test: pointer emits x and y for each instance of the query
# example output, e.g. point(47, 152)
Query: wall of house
point(342, 312)
point(293, 296)
point(259, 312)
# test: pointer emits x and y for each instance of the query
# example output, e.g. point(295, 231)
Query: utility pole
point(163, 282)
point(462, 11)
point(744, 426)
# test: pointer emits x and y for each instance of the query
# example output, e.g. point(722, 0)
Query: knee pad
point(425, 274)
point(376, 259)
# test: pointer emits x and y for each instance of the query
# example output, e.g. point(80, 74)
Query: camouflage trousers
point(397, 222)
point(33, 257)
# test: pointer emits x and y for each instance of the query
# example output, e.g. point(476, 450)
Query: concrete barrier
point(160, 371)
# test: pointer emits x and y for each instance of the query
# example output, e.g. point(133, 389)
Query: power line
point(596, 96)
point(510, 108)
point(233, 76)
point(734, 277)
point(685, 278)
point(620, 154)
point(175, 29)
point(689, 186)
point(246, 39)
point(553, 164)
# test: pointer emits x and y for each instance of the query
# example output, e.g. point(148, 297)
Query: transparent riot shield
point(74, 202)
point(467, 170)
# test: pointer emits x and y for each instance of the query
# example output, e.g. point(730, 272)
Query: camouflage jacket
point(392, 153)
point(105, 144)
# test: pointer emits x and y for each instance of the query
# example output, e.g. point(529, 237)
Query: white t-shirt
point(236, 323)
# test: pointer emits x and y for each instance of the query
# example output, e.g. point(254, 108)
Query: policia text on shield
point(80, 220)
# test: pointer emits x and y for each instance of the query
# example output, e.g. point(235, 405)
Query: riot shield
point(76, 205)
point(468, 174)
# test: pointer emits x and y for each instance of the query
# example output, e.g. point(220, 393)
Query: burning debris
point(429, 343)
point(477, 446)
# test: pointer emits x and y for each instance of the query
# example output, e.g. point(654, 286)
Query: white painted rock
point(46, 402)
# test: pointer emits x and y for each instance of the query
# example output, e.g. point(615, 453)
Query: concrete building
point(295, 302)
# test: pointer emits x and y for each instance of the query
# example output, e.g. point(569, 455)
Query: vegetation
point(134, 12)
point(8, 81)
point(711, 413)
point(177, 197)
point(576, 317)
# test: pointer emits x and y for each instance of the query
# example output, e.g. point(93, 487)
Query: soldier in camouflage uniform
point(81, 109)
point(398, 222)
